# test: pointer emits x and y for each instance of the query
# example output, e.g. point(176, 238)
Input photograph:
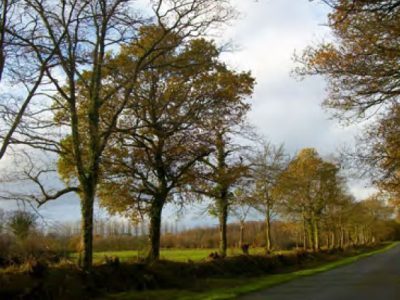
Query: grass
point(179, 255)
point(218, 289)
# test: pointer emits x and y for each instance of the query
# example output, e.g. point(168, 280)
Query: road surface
point(374, 278)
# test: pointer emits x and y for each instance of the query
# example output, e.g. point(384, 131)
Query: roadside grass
point(228, 288)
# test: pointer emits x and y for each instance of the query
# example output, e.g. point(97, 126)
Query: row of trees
point(359, 223)
point(361, 68)
point(311, 192)
point(105, 76)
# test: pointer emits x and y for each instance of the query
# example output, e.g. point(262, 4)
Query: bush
point(21, 223)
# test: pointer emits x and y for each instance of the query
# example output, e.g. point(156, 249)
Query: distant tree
point(223, 169)
point(241, 205)
point(21, 223)
point(371, 227)
point(267, 164)
point(306, 187)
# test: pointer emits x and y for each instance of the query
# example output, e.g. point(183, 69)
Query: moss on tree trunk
point(155, 230)
point(223, 218)
point(87, 230)
point(268, 232)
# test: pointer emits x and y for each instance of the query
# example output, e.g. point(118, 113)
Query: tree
point(379, 150)
point(337, 216)
point(22, 223)
point(5, 8)
point(266, 166)
point(162, 136)
point(306, 187)
point(84, 35)
point(368, 220)
point(361, 67)
point(241, 205)
point(221, 171)
point(23, 63)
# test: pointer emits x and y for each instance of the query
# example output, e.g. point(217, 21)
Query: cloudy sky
point(285, 109)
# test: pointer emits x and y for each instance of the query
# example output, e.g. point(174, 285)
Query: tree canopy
point(361, 64)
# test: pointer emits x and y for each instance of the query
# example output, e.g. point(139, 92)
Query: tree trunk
point(315, 230)
point(310, 234)
point(155, 230)
point(241, 236)
point(3, 24)
point(328, 239)
point(223, 217)
point(87, 229)
point(341, 242)
point(304, 233)
point(268, 233)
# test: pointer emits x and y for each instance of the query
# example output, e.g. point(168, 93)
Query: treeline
point(22, 236)
point(303, 202)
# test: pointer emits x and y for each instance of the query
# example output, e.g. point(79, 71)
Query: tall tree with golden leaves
point(306, 187)
point(224, 168)
point(162, 135)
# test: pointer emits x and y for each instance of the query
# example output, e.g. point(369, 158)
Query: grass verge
point(219, 289)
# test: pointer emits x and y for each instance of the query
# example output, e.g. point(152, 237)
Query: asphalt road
point(374, 278)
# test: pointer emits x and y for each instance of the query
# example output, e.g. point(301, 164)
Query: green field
point(182, 255)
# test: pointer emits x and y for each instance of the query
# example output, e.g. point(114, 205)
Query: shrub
point(21, 223)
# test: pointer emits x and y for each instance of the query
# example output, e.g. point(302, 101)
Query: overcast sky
point(284, 109)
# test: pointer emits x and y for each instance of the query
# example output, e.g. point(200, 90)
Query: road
point(374, 278)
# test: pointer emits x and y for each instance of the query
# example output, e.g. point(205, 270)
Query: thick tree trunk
point(155, 230)
point(87, 229)
point(223, 217)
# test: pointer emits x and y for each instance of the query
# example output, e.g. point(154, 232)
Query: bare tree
point(267, 164)
point(242, 204)
point(23, 63)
